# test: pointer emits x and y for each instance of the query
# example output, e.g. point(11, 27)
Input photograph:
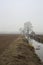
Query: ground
point(19, 52)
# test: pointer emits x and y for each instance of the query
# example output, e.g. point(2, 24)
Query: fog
point(13, 14)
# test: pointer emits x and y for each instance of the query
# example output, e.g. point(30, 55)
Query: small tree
point(21, 31)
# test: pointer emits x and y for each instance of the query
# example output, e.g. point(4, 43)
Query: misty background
point(14, 13)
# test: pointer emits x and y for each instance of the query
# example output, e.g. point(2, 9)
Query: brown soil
point(6, 40)
point(19, 53)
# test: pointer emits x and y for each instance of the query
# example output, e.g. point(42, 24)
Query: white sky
point(13, 14)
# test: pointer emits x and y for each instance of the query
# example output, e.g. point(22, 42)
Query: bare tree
point(21, 31)
point(27, 28)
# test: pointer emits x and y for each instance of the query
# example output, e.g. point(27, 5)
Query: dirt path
point(19, 53)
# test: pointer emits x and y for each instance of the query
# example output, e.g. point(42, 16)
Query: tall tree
point(27, 28)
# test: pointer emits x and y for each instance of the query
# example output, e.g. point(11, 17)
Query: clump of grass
point(25, 40)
